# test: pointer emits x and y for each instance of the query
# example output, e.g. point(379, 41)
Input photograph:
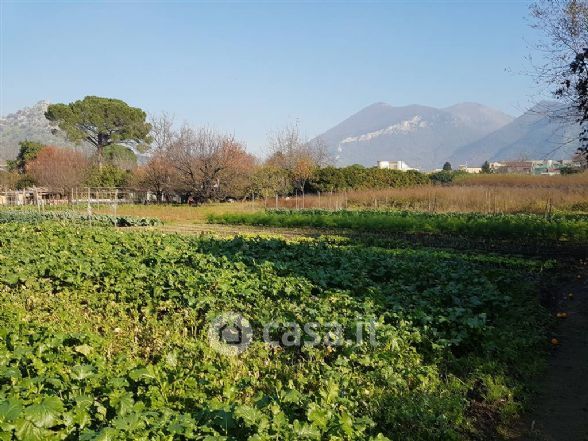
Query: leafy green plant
point(103, 335)
point(30, 216)
point(505, 226)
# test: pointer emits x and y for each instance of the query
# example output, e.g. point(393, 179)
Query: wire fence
point(77, 198)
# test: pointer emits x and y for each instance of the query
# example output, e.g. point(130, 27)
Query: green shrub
point(357, 177)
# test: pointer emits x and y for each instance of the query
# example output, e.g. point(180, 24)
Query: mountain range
point(466, 133)
point(30, 124)
point(422, 136)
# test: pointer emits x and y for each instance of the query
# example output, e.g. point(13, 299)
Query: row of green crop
point(104, 335)
point(31, 216)
point(515, 226)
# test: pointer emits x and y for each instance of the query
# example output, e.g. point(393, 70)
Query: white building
point(394, 165)
point(467, 169)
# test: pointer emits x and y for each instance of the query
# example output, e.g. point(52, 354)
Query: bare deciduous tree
point(564, 50)
point(157, 176)
point(59, 169)
point(8, 180)
point(209, 164)
point(298, 156)
point(162, 132)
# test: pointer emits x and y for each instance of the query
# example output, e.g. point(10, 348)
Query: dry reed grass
point(483, 194)
point(514, 180)
point(172, 214)
point(478, 193)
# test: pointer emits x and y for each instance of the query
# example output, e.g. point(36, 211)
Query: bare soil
point(559, 411)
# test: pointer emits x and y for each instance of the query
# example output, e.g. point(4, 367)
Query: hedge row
point(356, 177)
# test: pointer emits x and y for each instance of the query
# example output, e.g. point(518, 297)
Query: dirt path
point(560, 410)
point(220, 229)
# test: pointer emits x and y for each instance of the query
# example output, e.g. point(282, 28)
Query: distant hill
point(422, 136)
point(465, 133)
point(534, 135)
point(29, 123)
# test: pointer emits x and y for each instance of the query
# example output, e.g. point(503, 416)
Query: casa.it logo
point(230, 334)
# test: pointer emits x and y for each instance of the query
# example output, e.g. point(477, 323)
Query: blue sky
point(253, 67)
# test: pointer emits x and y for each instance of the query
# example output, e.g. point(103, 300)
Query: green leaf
point(84, 349)
point(292, 396)
point(379, 437)
point(250, 415)
point(143, 374)
point(84, 401)
point(346, 422)
point(107, 434)
point(171, 360)
point(10, 410)
point(45, 414)
point(82, 371)
point(317, 416)
point(331, 393)
point(27, 431)
point(128, 422)
point(123, 402)
point(304, 430)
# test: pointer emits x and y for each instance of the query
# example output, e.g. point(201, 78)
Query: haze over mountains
point(28, 124)
point(466, 133)
point(424, 137)
point(537, 134)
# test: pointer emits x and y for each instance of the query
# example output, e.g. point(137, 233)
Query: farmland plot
point(105, 335)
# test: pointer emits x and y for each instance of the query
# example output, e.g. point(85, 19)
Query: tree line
point(187, 163)
point(204, 164)
point(199, 164)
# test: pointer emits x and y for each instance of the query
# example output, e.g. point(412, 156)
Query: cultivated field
point(106, 336)
point(382, 325)
point(488, 194)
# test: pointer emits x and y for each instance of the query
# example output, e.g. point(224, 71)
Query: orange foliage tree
point(158, 176)
point(59, 169)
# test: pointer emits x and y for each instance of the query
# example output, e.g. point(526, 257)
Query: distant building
point(551, 167)
point(394, 165)
point(534, 167)
point(467, 169)
point(513, 167)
